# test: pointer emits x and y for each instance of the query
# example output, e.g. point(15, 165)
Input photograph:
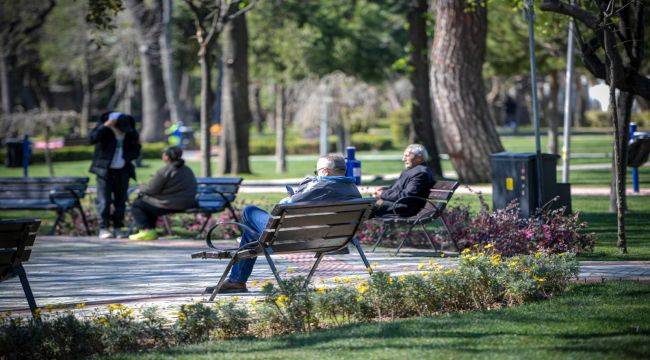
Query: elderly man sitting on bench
point(416, 180)
point(329, 184)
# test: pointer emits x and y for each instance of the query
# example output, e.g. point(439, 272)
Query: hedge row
point(258, 146)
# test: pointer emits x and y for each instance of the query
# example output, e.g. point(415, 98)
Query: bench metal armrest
point(402, 199)
point(208, 238)
point(53, 193)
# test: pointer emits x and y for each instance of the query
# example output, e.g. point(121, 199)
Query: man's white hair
point(418, 150)
point(335, 162)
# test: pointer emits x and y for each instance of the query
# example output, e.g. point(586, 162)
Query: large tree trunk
point(457, 88)
point(86, 86)
point(166, 51)
point(421, 114)
point(236, 115)
point(553, 113)
point(5, 85)
point(147, 23)
point(206, 102)
point(280, 125)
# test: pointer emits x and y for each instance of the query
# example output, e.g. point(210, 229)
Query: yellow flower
point(495, 259)
point(538, 278)
point(235, 298)
point(538, 255)
point(281, 300)
point(320, 290)
point(347, 280)
point(80, 306)
point(420, 266)
point(336, 279)
point(390, 280)
point(488, 246)
point(401, 278)
point(362, 288)
point(291, 270)
point(465, 251)
point(254, 282)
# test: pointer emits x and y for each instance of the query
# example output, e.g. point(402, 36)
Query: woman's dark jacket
point(105, 143)
point(416, 181)
point(172, 187)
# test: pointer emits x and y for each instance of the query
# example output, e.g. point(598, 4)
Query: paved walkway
point(66, 271)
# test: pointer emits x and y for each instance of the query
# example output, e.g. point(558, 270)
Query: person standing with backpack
point(117, 144)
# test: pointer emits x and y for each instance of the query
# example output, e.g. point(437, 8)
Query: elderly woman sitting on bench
point(329, 184)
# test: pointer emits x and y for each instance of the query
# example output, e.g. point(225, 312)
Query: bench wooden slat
point(438, 195)
point(445, 185)
point(318, 209)
point(10, 225)
point(308, 233)
point(311, 219)
point(13, 239)
point(317, 245)
point(6, 256)
point(43, 180)
point(218, 180)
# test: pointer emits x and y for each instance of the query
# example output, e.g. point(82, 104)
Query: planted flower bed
point(483, 279)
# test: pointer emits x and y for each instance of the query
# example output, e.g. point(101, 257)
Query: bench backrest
point(439, 197)
point(39, 188)
point(16, 238)
point(210, 189)
point(314, 226)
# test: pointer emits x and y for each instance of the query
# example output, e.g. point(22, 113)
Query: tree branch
point(573, 11)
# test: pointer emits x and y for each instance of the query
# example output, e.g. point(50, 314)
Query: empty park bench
point(16, 238)
point(312, 227)
point(435, 205)
point(60, 194)
point(213, 195)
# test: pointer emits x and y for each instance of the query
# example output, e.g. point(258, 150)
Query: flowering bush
point(553, 231)
point(483, 279)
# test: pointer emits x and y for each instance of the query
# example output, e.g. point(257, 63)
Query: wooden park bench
point(213, 195)
point(435, 205)
point(60, 194)
point(313, 227)
point(16, 238)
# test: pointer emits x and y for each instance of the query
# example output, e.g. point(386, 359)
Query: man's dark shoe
point(228, 287)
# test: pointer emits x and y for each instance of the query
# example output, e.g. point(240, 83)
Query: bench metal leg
point(319, 257)
point(384, 229)
point(272, 266)
point(408, 232)
point(205, 223)
point(223, 278)
point(20, 271)
point(433, 243)
point(454, 241)
point(83, 218)
point(232, 212)
point(355, 241)
point(59, 217)
point(168, 227)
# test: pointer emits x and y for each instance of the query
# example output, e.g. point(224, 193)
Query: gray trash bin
point(514, 177)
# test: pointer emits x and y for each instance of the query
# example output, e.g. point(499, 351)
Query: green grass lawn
point(602, 321)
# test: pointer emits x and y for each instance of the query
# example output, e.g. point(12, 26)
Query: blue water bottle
point(352, 165)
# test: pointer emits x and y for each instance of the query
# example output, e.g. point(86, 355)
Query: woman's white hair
point(418, 150)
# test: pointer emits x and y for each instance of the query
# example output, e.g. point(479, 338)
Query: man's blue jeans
point(256, 219)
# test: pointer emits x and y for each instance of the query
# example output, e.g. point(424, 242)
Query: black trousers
point(385, 208)
point(112, 190)
point(146, 215)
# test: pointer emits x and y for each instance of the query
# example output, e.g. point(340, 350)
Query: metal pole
point(530, 11)
point(568, 111)
point(324, 125)
point(635, 171)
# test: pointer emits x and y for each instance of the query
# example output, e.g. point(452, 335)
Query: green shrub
point(85, 152)
point(597, 118)
point(483, 279)
point(400, 121)
point(371, 142)
point(642, 119)
point(195, 323)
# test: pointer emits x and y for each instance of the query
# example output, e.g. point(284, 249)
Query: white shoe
point(105, 234)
